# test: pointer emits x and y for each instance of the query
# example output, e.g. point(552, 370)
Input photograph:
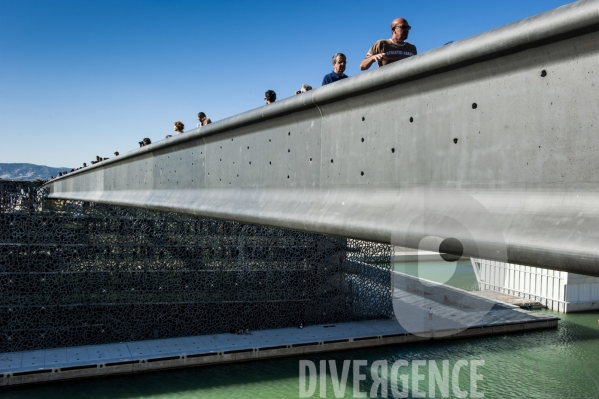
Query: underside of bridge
point(486, 147)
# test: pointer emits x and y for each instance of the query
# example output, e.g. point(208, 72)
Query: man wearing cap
point(387, 51)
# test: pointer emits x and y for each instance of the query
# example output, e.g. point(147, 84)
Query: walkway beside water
point(511, 299)
point(132, 357)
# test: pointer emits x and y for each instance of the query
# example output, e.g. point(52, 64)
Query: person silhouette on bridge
point(203, 120)
point(270, 96)
point(179, 126)
point(305, 87)
point(391, 50)
point(339, 63)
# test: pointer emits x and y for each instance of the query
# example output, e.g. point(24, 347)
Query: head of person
point(146, 141)
point(305, 88)
point(179, 126)
point(339, 63)
point(400, 30)
point(201, 116)
point(270, 97)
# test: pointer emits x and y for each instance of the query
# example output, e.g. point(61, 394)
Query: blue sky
point(80, 78)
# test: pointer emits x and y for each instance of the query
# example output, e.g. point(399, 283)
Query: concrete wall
point(582, 292)
point(490, 140)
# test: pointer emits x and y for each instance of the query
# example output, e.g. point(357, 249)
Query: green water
point(556, 363)
point(456, 274)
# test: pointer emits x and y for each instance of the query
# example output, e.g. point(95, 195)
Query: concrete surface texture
point(489, 140)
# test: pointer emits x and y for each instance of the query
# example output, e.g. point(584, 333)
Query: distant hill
point(27, 171)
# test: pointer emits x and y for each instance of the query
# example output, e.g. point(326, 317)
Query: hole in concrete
point(361, 173)
point(288, 150)
point(411, 119)
point(331, 161)
point(248, 147)
point(455, 141)
point(451, 249)
point(288, 176)
point(393, 150)
point(474, 106)
point(250, 162)
point(310, 159)
point(543, 73)
point(363, 119)
point(362, 139)
point(270, 163)
point(289, 134)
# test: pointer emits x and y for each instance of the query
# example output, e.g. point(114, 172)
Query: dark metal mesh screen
point(74, 273)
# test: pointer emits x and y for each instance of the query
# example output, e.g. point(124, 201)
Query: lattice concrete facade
point(74, 273)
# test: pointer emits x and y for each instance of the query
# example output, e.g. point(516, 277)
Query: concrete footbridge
point(486, 146)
